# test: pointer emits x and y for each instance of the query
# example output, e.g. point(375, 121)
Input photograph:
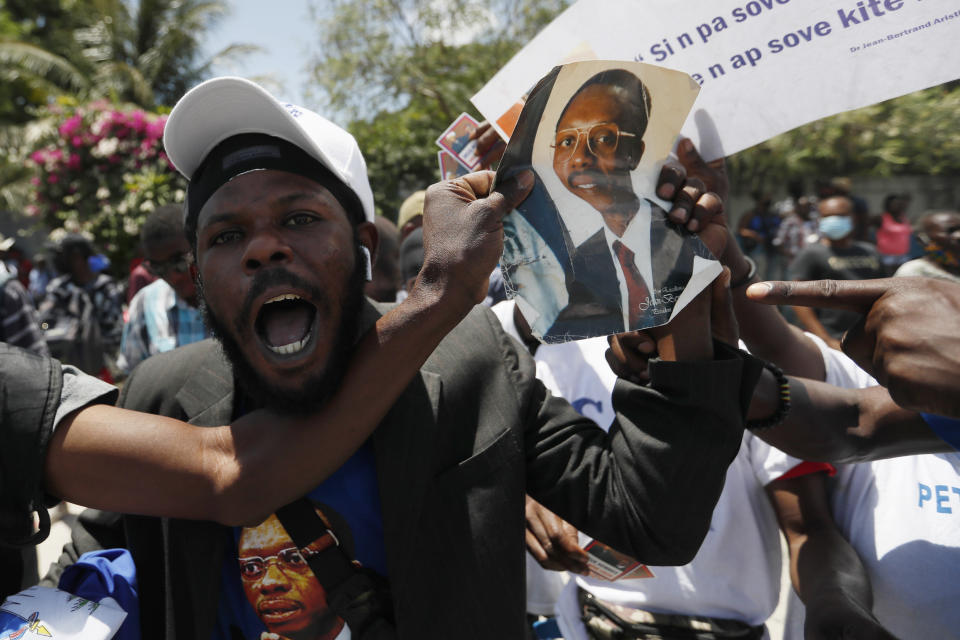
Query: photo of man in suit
point(586, 254)
point(630, 271)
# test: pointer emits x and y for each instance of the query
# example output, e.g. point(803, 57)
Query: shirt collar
point(637, 235)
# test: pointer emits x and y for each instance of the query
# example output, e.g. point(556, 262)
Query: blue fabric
point(353, 493)
point(350, 494)
point(948, 429)
point(548, 629)
point(109, 573)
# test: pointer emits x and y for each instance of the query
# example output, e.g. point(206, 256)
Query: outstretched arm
point(120, 460)
point(906, 339)
point(831, 424)
point(125, 461)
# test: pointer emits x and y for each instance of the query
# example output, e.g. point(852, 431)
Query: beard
point(319, 386)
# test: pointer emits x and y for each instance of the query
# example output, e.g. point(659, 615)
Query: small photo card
point(606, 563)
point(450, 168)
point(457, 140)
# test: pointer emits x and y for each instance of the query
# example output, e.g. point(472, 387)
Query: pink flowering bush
point(102, 171)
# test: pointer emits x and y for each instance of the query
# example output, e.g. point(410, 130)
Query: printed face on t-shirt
point(280, 586)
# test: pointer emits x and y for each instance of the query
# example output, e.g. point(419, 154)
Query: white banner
point(765, 66)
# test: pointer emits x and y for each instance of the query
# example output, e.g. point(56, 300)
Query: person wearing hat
point(410, 216)
point(279, 213)
point(19, 324)
point(82, 311)
point(62, 439)
point(5, 245)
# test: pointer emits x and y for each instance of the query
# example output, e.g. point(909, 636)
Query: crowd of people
point(830, 236)
point(331, 425)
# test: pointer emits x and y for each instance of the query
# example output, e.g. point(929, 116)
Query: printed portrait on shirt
point(280, 586)
point(590, 252)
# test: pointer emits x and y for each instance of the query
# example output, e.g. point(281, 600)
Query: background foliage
point(101, 172)
point(84, 84)
point(915, 134)
point(396, 72)
point(404, 69)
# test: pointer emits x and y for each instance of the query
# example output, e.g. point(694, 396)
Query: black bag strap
point(665, 626)
point(357, 595)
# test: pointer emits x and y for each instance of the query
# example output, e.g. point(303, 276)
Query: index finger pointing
point(850, 295)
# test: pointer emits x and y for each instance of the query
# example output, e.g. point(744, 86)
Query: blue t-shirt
point(284, 593)
point(948, 429)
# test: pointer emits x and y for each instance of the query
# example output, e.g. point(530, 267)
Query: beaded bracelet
point(751, 274)
point(784, 407)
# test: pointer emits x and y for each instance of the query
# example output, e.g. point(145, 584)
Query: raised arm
point(765, 331)
point(125, 461)
point(691, 412)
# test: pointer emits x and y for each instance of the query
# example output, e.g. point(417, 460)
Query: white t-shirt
point(902, 516)
point(577, 371)
point(921, 267)
point(736, 574)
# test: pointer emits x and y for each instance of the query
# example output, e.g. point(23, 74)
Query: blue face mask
point(836, 227)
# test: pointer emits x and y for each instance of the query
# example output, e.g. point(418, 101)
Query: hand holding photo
point(591, 252)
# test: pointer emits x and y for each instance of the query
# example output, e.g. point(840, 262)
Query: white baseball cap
point(225, 107)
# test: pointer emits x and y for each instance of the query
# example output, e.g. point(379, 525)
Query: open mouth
point(279, 610)
point(285, 324)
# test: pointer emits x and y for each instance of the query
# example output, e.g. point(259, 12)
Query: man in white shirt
point(899, 514)
point(902, 515)
point(734, 581)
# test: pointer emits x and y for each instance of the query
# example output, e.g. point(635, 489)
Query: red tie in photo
point(636, 289)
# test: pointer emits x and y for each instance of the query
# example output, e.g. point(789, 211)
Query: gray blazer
point(455, 455)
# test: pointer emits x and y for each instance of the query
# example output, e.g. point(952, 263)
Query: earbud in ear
point(369, 265)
